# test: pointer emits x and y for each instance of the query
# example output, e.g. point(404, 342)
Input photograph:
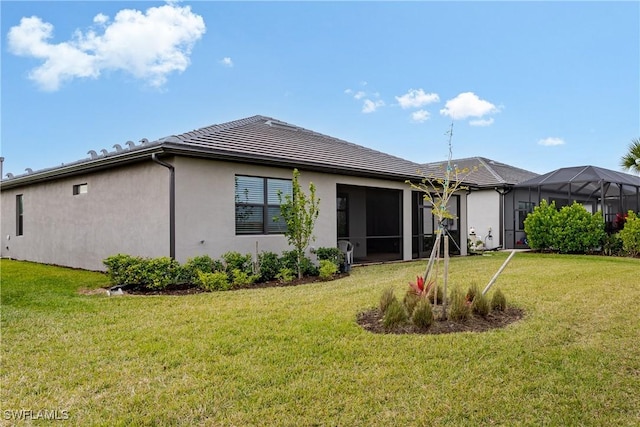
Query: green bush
point(152, 273)
point(570, 230)
point(612, 245)
point(481, 305)
point(241, 278)
point(395, 315)
point(118, 268)
point(202, 263)
point(290, 261)
point(410, 301)
point(237, 261)
point(385, 299)
point(422, 315)
point(472, 292)
point(540, 226)
point(160, 272)
point(498, 301)
point(630, 235)
point(578, 230)
point(335, 255)
point(460, 309)
point(216, 281)
point(327, 269)
point(270, 265)
point(285, 275)
point(436, 291)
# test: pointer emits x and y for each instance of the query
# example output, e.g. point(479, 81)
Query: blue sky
point(538, 85)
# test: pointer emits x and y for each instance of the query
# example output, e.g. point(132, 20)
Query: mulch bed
point(371, 320)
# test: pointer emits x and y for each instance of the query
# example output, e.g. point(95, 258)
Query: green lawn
point(295, 356)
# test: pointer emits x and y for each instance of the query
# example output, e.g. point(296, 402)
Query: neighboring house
point(611, 192)
point(488, 181)
point(210, 191)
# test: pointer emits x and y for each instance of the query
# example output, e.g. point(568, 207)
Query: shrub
point(241, 278)
point(422, 315)
point(386, 298)
point(481, 305)
point(578, 230)
point(153, 273)
point(436, 292)
point(285, 275)
point(460, 308)
point(327, 269)
point(160, 272)
point(118, 266)
point(202, 263)
point(630, 235)
point(612, 245)
point(237, 261)
point(570, 230)
point(498, 301)
point(216, 281)
point(410, 301)
point(270, 265)
point(335, 255)
point(540, 225)
point(395, 315)
point(290, 261)
point(472, 292)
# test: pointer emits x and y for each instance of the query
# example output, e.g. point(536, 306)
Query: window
point(257, 204)
point(342, 213)
point(80, 189)
point(524, 209)
point(19, 215)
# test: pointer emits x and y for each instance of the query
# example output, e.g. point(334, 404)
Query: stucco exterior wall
point(125, 210)
point(483, 211)
point(205, 213)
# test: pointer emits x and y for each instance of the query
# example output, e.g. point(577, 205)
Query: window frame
point(79, 189)
point(266, 219)
point(19, 214)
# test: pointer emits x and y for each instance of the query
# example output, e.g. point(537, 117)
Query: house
point(487, 181)
point(597, 189)
point(210, 191)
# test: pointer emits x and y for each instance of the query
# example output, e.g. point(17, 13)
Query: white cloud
point(148, 45)
point(551, 141)
point(467, 105)
point(101, 19)
point(370, 106)
point(482, 122)
point(348, 91)
point(420, 116)
point(227, 62)
point(359, 95)
point(416, 98)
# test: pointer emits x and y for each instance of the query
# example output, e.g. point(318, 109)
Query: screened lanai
point(597, 189)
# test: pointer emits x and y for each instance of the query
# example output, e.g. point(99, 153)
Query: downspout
point(172, 204)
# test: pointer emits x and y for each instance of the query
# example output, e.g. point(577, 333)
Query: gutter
point(172, 204)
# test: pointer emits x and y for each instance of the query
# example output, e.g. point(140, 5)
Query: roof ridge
point(219, 127)
point(493, 172)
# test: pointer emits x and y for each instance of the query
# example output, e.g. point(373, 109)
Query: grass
point(295, 356)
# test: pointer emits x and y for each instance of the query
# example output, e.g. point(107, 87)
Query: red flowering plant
point(420, 288)
point(620, 220)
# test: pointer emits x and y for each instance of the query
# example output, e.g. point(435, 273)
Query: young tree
point(631, 160)
point(299, 212)
point(437, 191)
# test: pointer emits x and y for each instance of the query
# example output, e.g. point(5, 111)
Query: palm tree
point(631, 160)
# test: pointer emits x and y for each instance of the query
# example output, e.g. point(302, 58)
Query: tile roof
point(267, 140)
point(489, 173)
